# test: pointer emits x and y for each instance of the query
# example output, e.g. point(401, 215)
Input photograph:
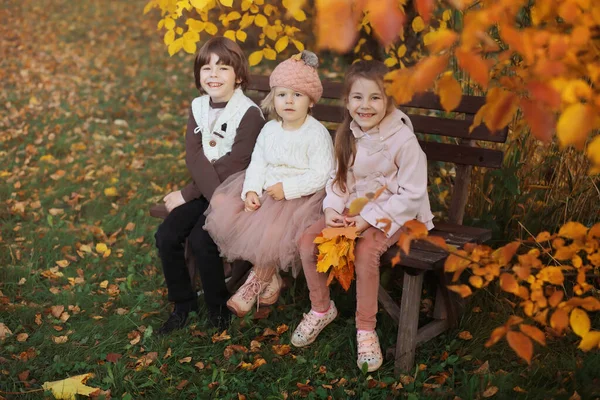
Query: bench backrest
point(428, 118)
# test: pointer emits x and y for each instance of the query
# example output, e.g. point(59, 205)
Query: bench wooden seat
point(462, 149)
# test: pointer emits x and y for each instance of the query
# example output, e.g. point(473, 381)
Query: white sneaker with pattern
point(311, 325)
point(369, 350)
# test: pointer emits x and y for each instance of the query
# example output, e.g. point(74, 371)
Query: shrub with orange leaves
point(546, 276)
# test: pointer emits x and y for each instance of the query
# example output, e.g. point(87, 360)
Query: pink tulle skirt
point(266, 237)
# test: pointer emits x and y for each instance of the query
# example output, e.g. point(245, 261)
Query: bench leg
point(408, 324)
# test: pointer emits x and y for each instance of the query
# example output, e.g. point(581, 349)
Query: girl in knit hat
point(259, 215)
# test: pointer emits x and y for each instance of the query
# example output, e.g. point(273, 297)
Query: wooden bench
point(464, 152)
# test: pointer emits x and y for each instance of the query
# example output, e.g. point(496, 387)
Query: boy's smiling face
point(218, 80)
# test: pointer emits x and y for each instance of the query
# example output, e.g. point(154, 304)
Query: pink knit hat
point(299, 73)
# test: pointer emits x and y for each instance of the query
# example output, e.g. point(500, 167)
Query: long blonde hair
point(345, 146)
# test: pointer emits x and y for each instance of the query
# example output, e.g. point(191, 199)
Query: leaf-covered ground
point(92, 113)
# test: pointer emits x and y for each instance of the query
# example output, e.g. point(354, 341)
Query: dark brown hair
point(229, 53)
point(345, 146)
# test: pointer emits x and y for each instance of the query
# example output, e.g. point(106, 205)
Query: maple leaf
point(66, 389)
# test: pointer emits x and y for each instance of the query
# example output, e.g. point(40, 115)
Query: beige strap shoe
point(369, 350)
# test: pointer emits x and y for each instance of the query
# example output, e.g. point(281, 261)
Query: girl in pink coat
point(374, 147)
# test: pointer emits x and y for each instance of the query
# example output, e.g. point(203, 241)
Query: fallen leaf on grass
point(23, 375)
point(113, 357)
point(199, 365)
point(465, 335)
point(56, 311)
point(182, 384)
point(262, 313)
point(21, 337)
point(60, 339)
point(134, 337)
point(483, 369)
point(4, 331)
point(66, 389)
point(185, 360)
point(282, 329)
point(269, 332)
point(167, 354)
point(255, 346)
point(220, 337)
point(490, 391)
point(281, 349)
point(233, 348)
point(519, 389)
point(146, 360)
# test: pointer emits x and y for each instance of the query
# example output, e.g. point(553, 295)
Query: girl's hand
point(359, 222)
point(334, 219)
point(173, 200)
point(252, 202)
point(276, 191)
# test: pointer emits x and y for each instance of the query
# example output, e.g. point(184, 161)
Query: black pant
point(186, 221)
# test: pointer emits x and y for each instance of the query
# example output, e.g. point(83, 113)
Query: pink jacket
point(388, 154)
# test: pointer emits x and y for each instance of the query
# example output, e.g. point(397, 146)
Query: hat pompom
point(310, 58)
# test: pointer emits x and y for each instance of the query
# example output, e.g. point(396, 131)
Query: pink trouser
point(369, 248)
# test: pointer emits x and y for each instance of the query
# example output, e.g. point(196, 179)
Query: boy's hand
point(252, 202)
point(334, 219)
point(359, 222)
point(173, 200)
point(276, 191)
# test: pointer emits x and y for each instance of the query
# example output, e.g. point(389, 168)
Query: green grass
point(79, 67)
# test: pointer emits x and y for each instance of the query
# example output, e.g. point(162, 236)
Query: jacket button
point(213, 160)
point(212, 143)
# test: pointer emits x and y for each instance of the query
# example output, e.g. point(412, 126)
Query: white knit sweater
point(301, 160)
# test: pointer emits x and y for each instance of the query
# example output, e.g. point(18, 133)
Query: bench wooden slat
point(459, 154)
point(428, 100)
point(422, 124)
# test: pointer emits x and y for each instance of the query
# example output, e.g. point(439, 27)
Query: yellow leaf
point(60, 340)
point(462, 290)
point(230, 34)
point(418, 24)
point(255, 58)
point(282, 43)
point(199, 4)
point(66, 389)
point(496, 335)
point(185, 360)
point(476, 281)
point(62, 263)
point(299, 15)
point(521, 344)
point(169, 37)
point(559, 320)
point(439, 40)
point(593, 151)
point(101, 248)
point(269, 54)
point(241, 35)
point(449, 91)
point(211, 28)
point(401, 51)
point(226, 3)
point(169, 23)
point(357, 205)
point(261, 20)
point(574, 125)
point(299, 45)
point(390, 62)
point(580, 322)
point(590, 341)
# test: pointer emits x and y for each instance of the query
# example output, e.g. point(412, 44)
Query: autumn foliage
point(546, 277)
point(540, 57)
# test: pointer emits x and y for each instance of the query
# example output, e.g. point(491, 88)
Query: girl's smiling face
point(366, 103)
point(218, 80)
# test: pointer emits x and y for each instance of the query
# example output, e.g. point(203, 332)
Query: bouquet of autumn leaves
point(336, 245)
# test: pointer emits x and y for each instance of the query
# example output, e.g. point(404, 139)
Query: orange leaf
point(416, 228)
point(521, 344)
point(559, 320)
point(441, 40)
point(462, 290)
point(281, 349)
point(474, 65)
point(540, 120)
point(573, 230)
point(424, 8)
point(437, 241)
point(544, 93)
point(580, 322)
point(449, 91)
point(556, 297)
point(502, 108)
point(386, 19)
point(534, 333)
point(336, 25)
point(348, 232)
point(508, 283)
point(426, 71)
point(404, 242)
point(589, 303)
point(496, 335)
